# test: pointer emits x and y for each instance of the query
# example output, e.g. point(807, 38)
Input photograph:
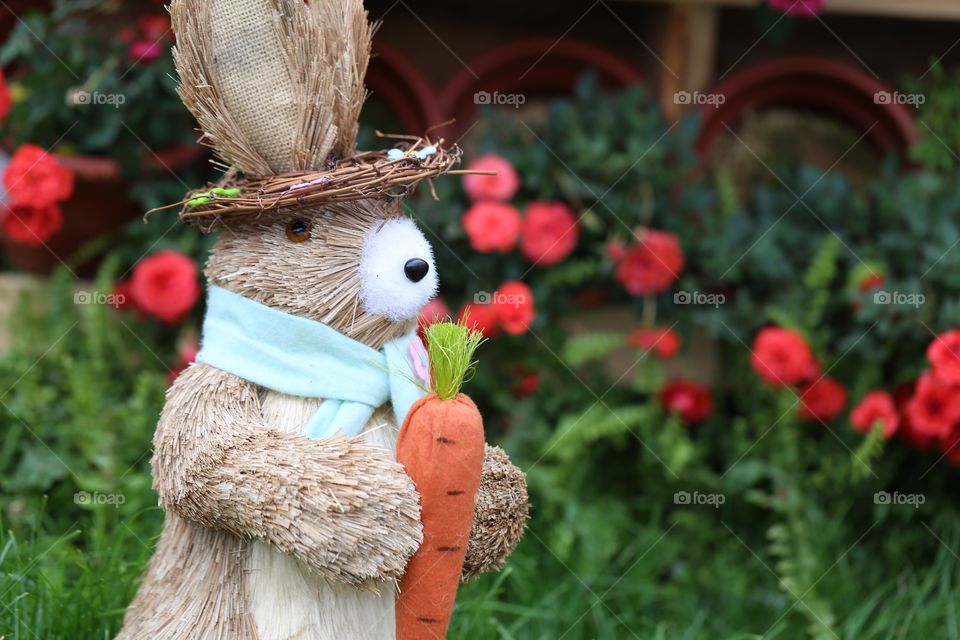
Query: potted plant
point(92, 122)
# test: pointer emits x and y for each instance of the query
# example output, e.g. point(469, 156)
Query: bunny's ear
point(276, 85)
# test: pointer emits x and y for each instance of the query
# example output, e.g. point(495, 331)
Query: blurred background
point(718, 268)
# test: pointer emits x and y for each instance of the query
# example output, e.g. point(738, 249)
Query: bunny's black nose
point(416, 269)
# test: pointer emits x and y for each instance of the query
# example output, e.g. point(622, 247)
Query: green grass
point(609, 553)
point(76, 584)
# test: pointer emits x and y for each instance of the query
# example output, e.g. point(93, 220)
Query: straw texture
point(276, 85)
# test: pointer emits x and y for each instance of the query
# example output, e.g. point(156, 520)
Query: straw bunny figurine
point(287, 515)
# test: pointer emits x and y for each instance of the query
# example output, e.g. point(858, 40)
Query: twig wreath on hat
point(287, 512)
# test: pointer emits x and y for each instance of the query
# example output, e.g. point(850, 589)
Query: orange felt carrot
point(441, 445)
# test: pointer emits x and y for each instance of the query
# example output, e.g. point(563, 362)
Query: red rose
point(934, 408)
point(436, 310)
point(663, 341)
point(5, 100)
point(690, 399)
point(549, 233)
point(944, 354)
point(123, 296)
point(31, 225)
point(501, 186)
point(480, 317)
point(651, 265)
point(165, 285)
point(527, 382)
point(615, 249)
point(902, 394)
point(876, 406)
point(492, 226)
point(873, 281)
point(822, 399)
point(34, 177)
point(782, 357)
point(153, 29)
point(514, 304)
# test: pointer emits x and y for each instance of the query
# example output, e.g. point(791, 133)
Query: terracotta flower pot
point(825, 85)
point(533, 67)
point(100, 205)
point(395, 81)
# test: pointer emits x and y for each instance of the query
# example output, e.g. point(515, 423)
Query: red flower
point(690, 399)
point(165, 285)
point(501, 186)
point(944, 354)
point(154, 26)
point(902, 394)
point(5, 100)
point(798, 8)
point(123, 296)
point(871, 282)
point(154, 29)
point(651, 265)
point(31, 225)
point(782, 357)
point(549, 233)
point(664, 341)
point(492, 226)
point(615, 249)
point(527, 383)
point(876, 406)
point(822, 399)
point(480, 317)
point(514, 304)
point(934, 408)
point(436, 310)
point(34, 177)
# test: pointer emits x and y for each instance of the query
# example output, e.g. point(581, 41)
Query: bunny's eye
point(298, 230)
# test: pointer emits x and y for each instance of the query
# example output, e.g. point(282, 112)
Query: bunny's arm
point(343, 507)
point(500, 515)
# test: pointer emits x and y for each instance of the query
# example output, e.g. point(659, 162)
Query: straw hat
point(277, 88)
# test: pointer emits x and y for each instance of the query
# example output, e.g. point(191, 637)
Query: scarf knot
point(307, 358)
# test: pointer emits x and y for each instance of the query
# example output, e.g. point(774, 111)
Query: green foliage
point(939, 119)
point(129, 106)
point(752, 524)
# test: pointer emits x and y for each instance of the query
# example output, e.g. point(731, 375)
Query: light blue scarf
point(302, 357)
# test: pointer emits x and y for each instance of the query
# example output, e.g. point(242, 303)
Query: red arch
point(827, 85)
point(535, 67)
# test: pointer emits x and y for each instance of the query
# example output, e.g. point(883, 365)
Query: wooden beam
point(688, 54)
point(915, 9)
